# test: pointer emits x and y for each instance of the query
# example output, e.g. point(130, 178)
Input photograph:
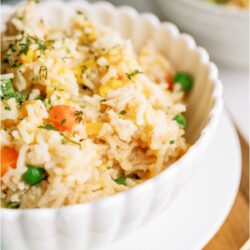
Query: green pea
point(121, 181)
point(185, 80)
point(33, 175)
point(181, 120)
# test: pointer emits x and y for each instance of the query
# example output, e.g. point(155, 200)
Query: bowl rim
point(203, 139)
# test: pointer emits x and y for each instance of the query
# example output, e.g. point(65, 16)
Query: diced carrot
point(169, 79)
point(8, 159)
point(64, 117)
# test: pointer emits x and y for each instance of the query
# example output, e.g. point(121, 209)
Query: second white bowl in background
point(223, 31)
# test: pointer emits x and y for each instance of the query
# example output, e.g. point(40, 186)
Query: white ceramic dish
point(95, 224)
point(223, 31)
point(237, 99)
point(203, 205)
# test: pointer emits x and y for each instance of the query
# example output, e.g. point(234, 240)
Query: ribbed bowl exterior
point(87, 226)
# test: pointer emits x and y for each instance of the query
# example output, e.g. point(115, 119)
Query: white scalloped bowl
point(94, 224)
point(224, 31)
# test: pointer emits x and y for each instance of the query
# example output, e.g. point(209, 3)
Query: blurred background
point(222, 28)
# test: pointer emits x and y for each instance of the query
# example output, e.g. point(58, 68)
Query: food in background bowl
point(83, 116)
point(234, 3)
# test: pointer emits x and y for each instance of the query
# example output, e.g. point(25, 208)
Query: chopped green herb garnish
point(77, 143)
point(63, 121)
point(42, 46)
point(26, 40)
point(15, 64)
point(48, 127)
point(84, 68)
point(24, 46)
point(7, 91)
point(6, 56)
point(7, 108)
point(65, 57)
point(133, 73)
point(27, 97)
point(49, 101)
point(78, 113)
point(123, 112)
point(12, 48)
point(13, 204)
point(121, 181)
point(63, 141)
point(171, 142)
point(79, 118)
point(41, 43)
point(40, 98)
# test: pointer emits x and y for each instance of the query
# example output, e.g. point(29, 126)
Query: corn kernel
point(77, 71)
point(93, 128)
point(29, 57)
point(62, 70)
point(112, 84)
point(91, 37)
point(90, 63)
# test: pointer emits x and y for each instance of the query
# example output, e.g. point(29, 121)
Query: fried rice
point(83, 115)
